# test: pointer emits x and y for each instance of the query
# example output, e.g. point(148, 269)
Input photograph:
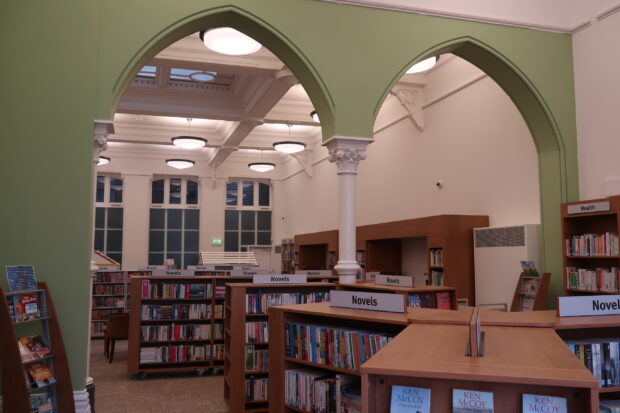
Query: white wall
point(597, 90)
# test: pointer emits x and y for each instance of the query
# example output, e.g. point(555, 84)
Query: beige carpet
point(118, 392)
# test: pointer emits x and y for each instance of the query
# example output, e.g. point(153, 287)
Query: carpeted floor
point(118, 392)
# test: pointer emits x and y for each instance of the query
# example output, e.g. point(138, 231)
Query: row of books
point(256, 331)
point(220, 291)
point(178, 354)
point(336, 347)
point(32, 348)
point(97, 328)
point(598, 279)
point(175, 290)
point(176, 312)
point(256, 388)
point(41, 403)
point(315, 392)
point(102, 314)
point(182, 332)
point(592, 245)
point(24, 307)
point(256, 359)
point(110, 277)
point(436, 257)
point(218, 311)
point(436, 278)
point(258, 303)
point(118, 302)
point(360, 257)
point(112, 289)
point(601, 358)
point(439, 300)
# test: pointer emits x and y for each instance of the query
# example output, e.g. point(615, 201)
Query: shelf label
point(151, 267)
point(392, 303)
point(589, 305)
point(600, 206)
point(280, 279)
point(173, 273)
point(394, 280)
point(371, 275)
point(320, 273)
point(249, 272)
point(108, 268)
point(201, 267)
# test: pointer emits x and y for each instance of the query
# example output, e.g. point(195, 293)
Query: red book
point(443, 301)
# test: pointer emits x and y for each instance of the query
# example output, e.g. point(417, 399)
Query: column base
point(347, 271)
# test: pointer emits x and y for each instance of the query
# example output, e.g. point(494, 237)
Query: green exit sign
point(216, 241)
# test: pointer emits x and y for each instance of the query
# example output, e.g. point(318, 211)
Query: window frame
point(255, 207)
point(183, 230)
point(166, 204)
point(106, 191)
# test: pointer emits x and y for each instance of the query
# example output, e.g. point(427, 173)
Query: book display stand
point(20, 366)
point(247, 351)
point(531, 293)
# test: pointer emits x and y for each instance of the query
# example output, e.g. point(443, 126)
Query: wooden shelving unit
point(320, 314)
point(241, 316)
point(594, 223)
point(16, 392)
point(317, 251)
point(407, 292)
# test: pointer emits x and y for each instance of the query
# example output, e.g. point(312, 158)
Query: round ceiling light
point(189, 142)
point(289, 146)
point(314, 116)
point(202, 76)
point(261, 166)
point(227, 40)
point(103, 160)
point(180, 163)
point(424, 65)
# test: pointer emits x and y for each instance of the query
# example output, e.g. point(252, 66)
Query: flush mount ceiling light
point(424, 65)
point(103, 160)
point(227, 40)
point(289, 146)
point(180, 163)
point(262, 166)
point(188, 141)
point(314, 116)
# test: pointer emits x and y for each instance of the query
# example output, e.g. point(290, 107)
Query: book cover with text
point(471, 401)
point(410, 400)
point(21, 277)
point(539, 403)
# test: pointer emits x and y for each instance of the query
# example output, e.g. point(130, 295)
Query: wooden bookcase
point(596, 223)
point(432, 356)
point(238, 344)
point(447, 236)
point(538, 296)
point(406, 292)
point(317, 251)
point(324, 315)
point(16, 391)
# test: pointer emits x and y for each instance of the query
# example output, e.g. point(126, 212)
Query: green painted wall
point(65, 63)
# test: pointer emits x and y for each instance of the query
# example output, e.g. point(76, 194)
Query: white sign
point(320, 273)
point(395, 280)
point(371, 275)
point(108, 268)
point(173, 273)
point(201, 267)
point(236, 267)
point(393, 303)
point(280, 279)
point(245, 273)
point(589, 305)
point(600, 206)
point(151, 267)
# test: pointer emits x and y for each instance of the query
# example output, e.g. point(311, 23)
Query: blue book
point(21, 277)
point(541, 403)
point(410, 400)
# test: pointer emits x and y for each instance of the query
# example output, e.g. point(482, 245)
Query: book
point(25, 354)
point(410, 400)
point(40, 375)
point(443, 301)
point(41, 403)
point(30, 306)
point(529, 268)
point(471, 401)
point(21, 277)
point(36, 346)
point(539, 403)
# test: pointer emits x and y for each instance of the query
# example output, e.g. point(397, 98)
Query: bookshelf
point(246, 338)
point(531, 293)
point(316, 251)
point(16, 391)
point(331, 319)
point(432, 356)
point(448, 251)
point(590, 250)
point(423, 296)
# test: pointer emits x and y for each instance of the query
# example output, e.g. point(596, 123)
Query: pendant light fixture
point(261, 166)
point(103, 160)
point(314, 116)
point(226, 40)
point(180, 163)
point(424, 65)
point(188, 141)
point(289, 146)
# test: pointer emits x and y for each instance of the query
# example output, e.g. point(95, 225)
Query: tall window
point(109, 216)
point(174, 225)
point(247, 219)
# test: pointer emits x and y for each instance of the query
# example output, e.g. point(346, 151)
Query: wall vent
point(500, 237)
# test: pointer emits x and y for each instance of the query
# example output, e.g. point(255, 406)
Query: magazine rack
point(531, 293)
point(16, 390)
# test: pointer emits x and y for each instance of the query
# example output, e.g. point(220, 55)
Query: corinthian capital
point(347, 152)
point(103, 128)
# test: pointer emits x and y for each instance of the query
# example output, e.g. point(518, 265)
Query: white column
point(346, 152)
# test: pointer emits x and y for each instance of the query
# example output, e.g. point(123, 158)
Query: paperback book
point(35, 345)
point(21, 277)
point(39, 375)
point(410, 400)
point(539, 403)
point(471, 401)
point(24, 307)
point(529, 268)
